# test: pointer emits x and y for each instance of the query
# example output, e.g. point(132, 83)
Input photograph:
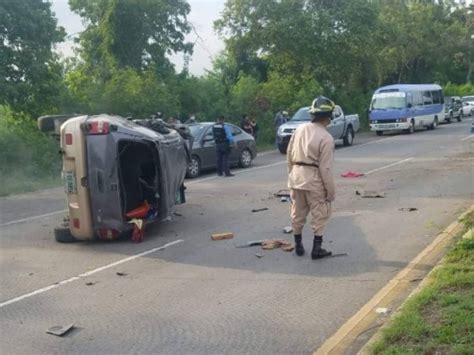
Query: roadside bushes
point(29, 159)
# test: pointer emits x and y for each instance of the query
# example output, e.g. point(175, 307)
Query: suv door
point(336, 128)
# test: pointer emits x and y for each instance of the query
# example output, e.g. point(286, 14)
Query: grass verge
point(440, 318)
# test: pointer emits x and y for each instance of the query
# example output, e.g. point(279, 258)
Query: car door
point(237, 134)
point(208, 150)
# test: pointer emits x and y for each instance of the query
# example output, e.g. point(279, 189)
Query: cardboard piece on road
point(59, 330)
point(276, 243)
point(222, 236)
point(371, 194)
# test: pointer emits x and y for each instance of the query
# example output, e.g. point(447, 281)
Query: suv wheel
point(245, 159)
point(460, 116)
point(434, 124)
point(379, 133)
point(194, 168)
point(450, 118)
point(282, 148)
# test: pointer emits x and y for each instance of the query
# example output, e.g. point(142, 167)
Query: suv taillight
point(98, 127)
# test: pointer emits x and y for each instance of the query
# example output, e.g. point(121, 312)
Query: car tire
point(379, 133)
point(245, 160)
point(63, 235)
point(282, 148)
point(460, 116)
point(348, 138)
point(194, 167)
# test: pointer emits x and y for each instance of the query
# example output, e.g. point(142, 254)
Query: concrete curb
point(390, 296)
point(425, 282)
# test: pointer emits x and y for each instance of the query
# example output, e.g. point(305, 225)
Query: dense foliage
point(278, 54)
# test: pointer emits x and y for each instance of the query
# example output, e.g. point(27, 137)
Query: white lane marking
point(389, 166)
point(268, 152)
point(32, 218)
point(85, 274)
point(243, 171)
point(468, 137)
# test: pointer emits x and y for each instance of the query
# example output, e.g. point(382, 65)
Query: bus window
point(417, 99)
point(436, 95)
point(427, 98)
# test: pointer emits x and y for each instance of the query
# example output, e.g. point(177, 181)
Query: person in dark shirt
point(224, 142)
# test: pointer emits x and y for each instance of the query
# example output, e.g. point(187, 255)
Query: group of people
point(249, 125)
point(310, 158)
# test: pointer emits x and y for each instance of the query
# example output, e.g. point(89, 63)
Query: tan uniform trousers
point(303, 202)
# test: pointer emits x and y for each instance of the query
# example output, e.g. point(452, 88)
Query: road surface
point(182, 293)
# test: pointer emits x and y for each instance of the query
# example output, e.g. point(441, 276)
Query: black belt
point(306, 164)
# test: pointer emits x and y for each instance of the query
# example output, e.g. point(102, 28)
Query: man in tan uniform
point(310, 180)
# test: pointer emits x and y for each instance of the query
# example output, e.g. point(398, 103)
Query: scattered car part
point(60, 330)
point(222, 236)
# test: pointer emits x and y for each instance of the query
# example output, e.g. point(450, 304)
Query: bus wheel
point(434, 124)
point(379, 133)
point(411, 130)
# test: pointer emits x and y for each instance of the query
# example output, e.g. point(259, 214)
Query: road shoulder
point(359, 329)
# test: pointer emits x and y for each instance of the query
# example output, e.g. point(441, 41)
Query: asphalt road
point(200, 296)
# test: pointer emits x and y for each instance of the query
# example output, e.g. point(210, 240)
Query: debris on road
point(288, 230)
point(282, 193)
point(250, 244)
point(120, 274)
point(260, 209)
point(178, 214)
point(270, 244)
point(289, 247)
point(370, 194)
point(285, 199)
point(352, 174)
point(222, 236)
point(138, 230)
point(92, 283)
point(60, 330)
point(259, 255)
point(408, 209)
point(382, 311)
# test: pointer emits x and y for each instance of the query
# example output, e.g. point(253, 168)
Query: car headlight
point(280, 130)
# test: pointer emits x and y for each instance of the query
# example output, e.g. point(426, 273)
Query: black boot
point(318, 252)
point(299, 249)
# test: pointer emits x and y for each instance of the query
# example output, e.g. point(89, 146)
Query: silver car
point(203, 154)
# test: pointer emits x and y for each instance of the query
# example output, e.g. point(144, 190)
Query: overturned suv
point(117, 171)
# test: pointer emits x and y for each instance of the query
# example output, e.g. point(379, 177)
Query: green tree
point(30, 76)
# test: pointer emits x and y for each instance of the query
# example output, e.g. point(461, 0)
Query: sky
point(202, 16)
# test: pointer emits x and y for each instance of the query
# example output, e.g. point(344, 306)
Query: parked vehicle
point(113, 166)
point(406, 107)
point(468, 105)
point(342, 127)
point(203, 154)
point(452, 108)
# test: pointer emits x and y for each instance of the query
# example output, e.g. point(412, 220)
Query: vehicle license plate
point(69, 182)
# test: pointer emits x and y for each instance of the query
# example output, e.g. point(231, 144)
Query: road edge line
point(341, 334)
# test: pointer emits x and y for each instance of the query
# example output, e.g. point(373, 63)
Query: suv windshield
point(388, 101)
point(302, 115)
point(468, 99)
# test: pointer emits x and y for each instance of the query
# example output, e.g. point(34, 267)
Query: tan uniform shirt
point(312, 144)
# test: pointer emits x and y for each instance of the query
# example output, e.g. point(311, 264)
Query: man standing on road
point(310, 157)
point(277, 122)
point(224, 142)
